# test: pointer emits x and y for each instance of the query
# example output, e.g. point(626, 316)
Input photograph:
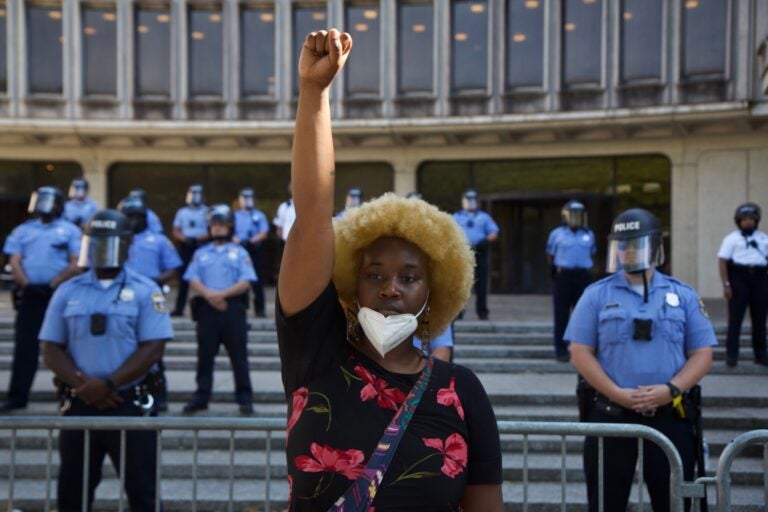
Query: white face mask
point(386, 333)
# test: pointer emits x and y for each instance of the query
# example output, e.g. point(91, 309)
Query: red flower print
point(448, 397)
point(326, 458)
point(376, 387)
point(300, 398)
point(454, 452)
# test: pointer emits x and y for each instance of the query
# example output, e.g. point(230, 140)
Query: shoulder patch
point(158, 302)
point(703, 308)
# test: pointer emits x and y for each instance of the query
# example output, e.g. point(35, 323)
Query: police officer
point(220, 275)
point(153, 220)
point(569, 252)
point(251, 229)
point(642, 340)
point(480, 230)
point(154, 256)
point(190, 229)
point(102, 332)
point(79, 208)
point(743, 265)
point(353, 200)
point(43, 254)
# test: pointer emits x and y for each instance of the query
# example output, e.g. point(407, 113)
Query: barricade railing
point(679, 489)
point(731, 451)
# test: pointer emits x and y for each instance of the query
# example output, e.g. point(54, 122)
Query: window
point(582, 34)
point(44, 49)
point(525, 43)
point(469, 44)
point(257, 51)
point(704, 26)
point(3, 63)
point(415, 47)
point(362, 74)
point(305, 20)
point(205, 43)
point(152, 40)
point(641, 25)
point(99, 40)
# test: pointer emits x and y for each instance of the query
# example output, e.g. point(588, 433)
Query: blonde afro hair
point(451, 262)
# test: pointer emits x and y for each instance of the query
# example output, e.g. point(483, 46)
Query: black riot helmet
point(747, 210)
point(140, 193)
point(574, 214)
point(354, 197)
point(47, 203)
point(134, 208)
point(194, 195)
point(221, 213)
point(106, 239)
point(247, 198)
point(635, 243)
point(78, 189)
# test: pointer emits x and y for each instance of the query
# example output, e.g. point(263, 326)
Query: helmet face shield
point(195, 195)
point(246, 201)
point(77, 191)
point(574, 218)
point(635, 254)
point(42, 204)
point(103, 252)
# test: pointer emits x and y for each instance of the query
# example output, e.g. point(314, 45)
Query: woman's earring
point(424, 332)
point(353, 327)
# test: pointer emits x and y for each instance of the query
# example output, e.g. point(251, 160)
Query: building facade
point(653, 103)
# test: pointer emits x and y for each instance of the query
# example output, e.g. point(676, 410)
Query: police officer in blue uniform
point(190, 229)
point(570, 248)
point(251, 229)
point(154, 256)
point(743, 265)
point(642, 340)
point(43, 254)
point(353, 200)
point(481, 230)
point(102, 333)
point(154, 224)
point(79, 208)
point(220, 275)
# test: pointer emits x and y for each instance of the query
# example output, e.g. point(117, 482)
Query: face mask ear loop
point(426, 301)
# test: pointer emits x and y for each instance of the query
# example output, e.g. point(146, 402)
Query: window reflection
point(205, 52)
point(44, 43)
point(305, 20)
point(582, 49)
point(257, 51)
point(469, 44)
point(705, 30)
point(3, 63)
point(152, 51)
point(99, 40)
point(362, 74)
point(641, 39)
point(414, 47)
point(525, 43)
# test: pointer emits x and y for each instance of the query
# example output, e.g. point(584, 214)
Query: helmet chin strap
point(645, 283)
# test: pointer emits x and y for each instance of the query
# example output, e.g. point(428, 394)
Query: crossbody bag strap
point(361, 493)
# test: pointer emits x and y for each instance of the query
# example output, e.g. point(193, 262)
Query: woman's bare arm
point(307, 263)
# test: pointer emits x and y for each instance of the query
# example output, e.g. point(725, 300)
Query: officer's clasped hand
point(95, 392)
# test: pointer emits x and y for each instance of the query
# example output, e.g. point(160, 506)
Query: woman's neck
point(402, 359)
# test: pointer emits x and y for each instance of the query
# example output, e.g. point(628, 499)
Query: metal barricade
point(731, 451)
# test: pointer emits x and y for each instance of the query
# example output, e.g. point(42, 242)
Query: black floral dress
point(340, 402)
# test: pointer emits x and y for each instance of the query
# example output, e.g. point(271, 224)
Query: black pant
point(750, 288)
point(186, 251)
point(140, 459)
point(26, 350)
point(255, 252)
point(229, 328)
point(620, 458)
point(567, 287)
point(481, 280)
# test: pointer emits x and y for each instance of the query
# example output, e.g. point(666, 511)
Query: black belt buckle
point(649, 413)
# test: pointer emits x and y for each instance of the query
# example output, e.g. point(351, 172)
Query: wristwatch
point(673, 390)
point(111, 385)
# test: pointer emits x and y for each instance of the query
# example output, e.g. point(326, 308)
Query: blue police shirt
point(220, 266)
point(192, 221)
point(153, 222)
point(135, 311)
point(604, 319)
point(78, 212)
point(45, 249)
point(476, 225)
point(444, 340)
point(151, 254)
point(249, 223)
point(571, 249)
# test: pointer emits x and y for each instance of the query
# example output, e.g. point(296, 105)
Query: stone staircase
point(513, 360)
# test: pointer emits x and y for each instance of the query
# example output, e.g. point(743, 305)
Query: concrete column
point(684, 216)
point(95, 171)
point(405, 177)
